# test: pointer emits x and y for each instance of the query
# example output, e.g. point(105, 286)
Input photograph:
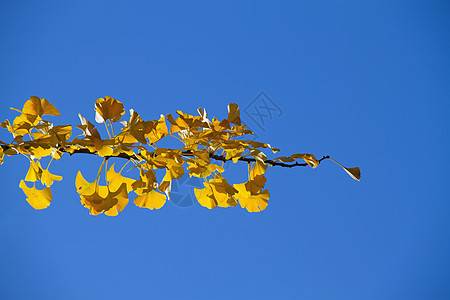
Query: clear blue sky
point(366, 82)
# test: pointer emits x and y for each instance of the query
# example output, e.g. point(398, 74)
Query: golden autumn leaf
point(204, 196)
point(159, 131)
point(217, 192)
point(308, 158)
point(38, 199)
point(115, 180)
point(151, 200)
point(34, 171)
point(234, 115)
point(108, 109)
point(39, 107)
point(39, 152)
point(105, 151)
point(1, 155)
point(145, 188)
point(83, 186)
point(222, 191)
point(88, 128)
point(99, 199)
point(354, 173)
point(47, 178)
point(121, 195)
point(177, 124)
point(253, 202)
point(61, 132)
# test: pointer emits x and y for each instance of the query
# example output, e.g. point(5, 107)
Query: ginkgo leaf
point(159, 131)
point(83, 186)
point(1, 155)
point(39, 152)
point(99, 201)
point(151, 200)
point(222, 191)
point(204, 196)
point(217, 192)
point(121, 194)
point(354, 173)
point(234, 115)
point(34, 171)
point(61, 132)
point(115, 180)
point(105, 151)
point(39, 107)
point(104, 200)
point(108, 109)
point(38, 199)
point(47, 178)
point(251, 201)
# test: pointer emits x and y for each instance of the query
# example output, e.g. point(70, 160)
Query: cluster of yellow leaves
point(203, 140)
point(45, 140)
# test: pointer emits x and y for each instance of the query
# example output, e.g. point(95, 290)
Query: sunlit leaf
point(253, 202)
point(217, 192)
point(108, 109)
point(83, 186)
point(34, 171)
point(204, 196)
point(39, 107)
point(115, 180)
point(47, 178)
point(234, 115)
point(121, 195)
point(354, 173)
point(38, 199)
point(105, 151)
point(151, 200)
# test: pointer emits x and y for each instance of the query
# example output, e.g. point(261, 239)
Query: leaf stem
point(112, 128)
point(107, 130)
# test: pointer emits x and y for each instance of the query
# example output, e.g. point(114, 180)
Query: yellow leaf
point(84, 187)
point(88, 128)
point(159, 132)
point(222, 191)
point(151, 200)
point(38, 199)
point(121, 194)
point(105, 151)
point(39, 107)
point(176, 170)
point(258, 169)
point(1, 155)
point(99, 201)
point(108, 109)
point(40, 152)
point(202, 154)
point(251, 201)
point(204, 196)
point(354, 173)
point(48, 178)
point(34, 172)
point(62, 132)
point(234, 115)
point(217, 192)
point(115, 180)
point(102, 200)
point(308, 158)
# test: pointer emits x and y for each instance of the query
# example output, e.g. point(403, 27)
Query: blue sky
point(366, 82)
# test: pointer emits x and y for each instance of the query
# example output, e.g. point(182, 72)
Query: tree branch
point(187, 153)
